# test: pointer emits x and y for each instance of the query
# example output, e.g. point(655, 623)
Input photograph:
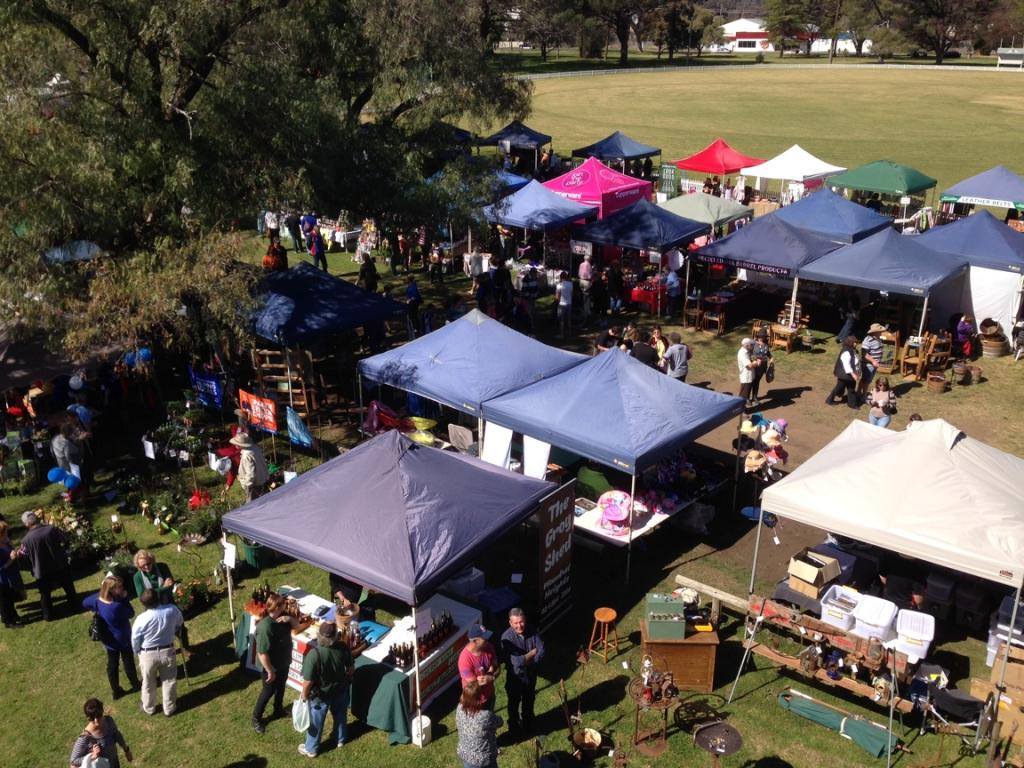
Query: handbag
point(769, 374)
point(98, 630)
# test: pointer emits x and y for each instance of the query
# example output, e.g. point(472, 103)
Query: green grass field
point(950, 125)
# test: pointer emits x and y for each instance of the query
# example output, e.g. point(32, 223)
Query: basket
point(961, 373)
point(989, 327)
point(975, 373)
point(995, 346)
point(936, 383)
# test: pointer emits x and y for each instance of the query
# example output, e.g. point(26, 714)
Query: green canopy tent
point(873, 738)
point(886, 178)
point(708, 209)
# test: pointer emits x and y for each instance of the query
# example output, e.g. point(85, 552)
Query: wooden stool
point(599, 642)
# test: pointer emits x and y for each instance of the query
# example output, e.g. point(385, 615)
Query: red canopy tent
point(717, 158)
point(594, 183)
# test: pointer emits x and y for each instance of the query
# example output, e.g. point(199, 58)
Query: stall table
point(691, 659)
point(383, 695)
point(654, 297)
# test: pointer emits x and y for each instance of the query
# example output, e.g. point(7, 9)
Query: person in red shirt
point(479, 661)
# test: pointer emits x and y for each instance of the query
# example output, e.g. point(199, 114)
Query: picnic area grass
point(947, 124)
point(950, 125)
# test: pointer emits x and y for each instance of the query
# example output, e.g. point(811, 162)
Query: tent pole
point(792, 301)
point(359, 387)
point(892, 707)
point(629, 543)
point(480, 435)
point(1009, 641)
point(686, 289)
point(288, 363)
point(924, 314)
point(748, 633)
point(416, 669)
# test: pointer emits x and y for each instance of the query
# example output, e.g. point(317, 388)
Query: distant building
point(751, 36)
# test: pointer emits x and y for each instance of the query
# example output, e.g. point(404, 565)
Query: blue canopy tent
point(642, 225)
point(518, 136)
point(304, 303)
point(769, 244)
point(643, 417)
point(467, 362)
point(887, 261)
point(997, 187)
point(996, 255)
point(537, 207)
point(833, 216)
point(617, 148)
point(391, 515)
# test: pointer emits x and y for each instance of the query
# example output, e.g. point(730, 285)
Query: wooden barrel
point(936, 382)
point(995, 346)
point(961, 373)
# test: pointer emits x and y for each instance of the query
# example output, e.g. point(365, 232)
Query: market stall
point(718, 159)
point(894, 263)
point(467, 362)
point(720, 213)
point(891, 182)
point(830, 215)
point(646, 417)
point(518, 136)
point(996, 255)
point(769, 246)
point(594, 183)
point(401, 519)
point(617, 148)
point(795, 165)
point(967, 515)
point(997, 187)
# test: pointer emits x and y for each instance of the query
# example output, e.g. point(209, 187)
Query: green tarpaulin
point(884, 177)
point(869, 736)
point(707, 209)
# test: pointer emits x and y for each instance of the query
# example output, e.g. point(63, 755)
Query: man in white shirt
point(153, 636)
point(270, 221)
point(746, 366)
point(586, 275)
point(563, 294)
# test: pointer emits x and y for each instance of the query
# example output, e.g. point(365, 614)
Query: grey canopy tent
point(391, 515)
point(617, 148)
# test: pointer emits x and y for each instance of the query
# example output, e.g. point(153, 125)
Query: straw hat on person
point(876, 328)
point(242, 440)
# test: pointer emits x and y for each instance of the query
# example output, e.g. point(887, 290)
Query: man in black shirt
point(644, 352)
point(608, 339)
point(43, 545)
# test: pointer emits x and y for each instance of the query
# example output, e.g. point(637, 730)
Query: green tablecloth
point(380, 698)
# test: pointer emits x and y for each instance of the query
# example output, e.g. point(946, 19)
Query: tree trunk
point(860, 47)
point(543, 50)
point(622, 33)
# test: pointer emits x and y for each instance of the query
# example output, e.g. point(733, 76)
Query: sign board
point(555, 526)
point(261, 412)
point(689, 186)
point(667, 179)
point(581, 248)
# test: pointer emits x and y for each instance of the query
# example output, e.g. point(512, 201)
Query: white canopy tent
point(795, 164)
point(969, 516)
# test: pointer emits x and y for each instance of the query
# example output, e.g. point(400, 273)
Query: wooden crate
point(691, 659)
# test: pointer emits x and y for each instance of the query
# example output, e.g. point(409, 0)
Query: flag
point(209, 391)
point(298, 432)
point(261, 411)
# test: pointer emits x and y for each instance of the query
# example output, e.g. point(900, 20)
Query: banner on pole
point(555, 526)
point(298, 432)
point(208, 388)
point(261, 411)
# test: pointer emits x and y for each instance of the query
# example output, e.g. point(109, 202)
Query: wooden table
point(691, 660)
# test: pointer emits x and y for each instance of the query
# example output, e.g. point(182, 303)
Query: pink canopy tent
point(717, 158)
point(594, 183)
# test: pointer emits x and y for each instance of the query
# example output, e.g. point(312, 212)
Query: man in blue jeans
point(326, 672)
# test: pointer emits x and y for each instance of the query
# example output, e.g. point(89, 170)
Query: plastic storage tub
point(914, 633)
point(836, 615)
point(874, 617)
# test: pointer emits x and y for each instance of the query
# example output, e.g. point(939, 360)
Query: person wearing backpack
point(112, 618)
point(847, 373)
point(326, 673)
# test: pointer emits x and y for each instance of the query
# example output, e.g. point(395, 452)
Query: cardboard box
point(1014, 668)
point(1009, 707)
point(810, 590)
point(813, 568)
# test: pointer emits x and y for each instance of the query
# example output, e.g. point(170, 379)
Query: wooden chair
point(714, 319)
point(939, 354)
point(760, 325)
point(913, 359)
point(890, 352)
point(783, 337)
point(693, 315)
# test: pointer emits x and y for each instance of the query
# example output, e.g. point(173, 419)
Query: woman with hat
point(326, 672)
point(252, 466)
point(762, 353)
